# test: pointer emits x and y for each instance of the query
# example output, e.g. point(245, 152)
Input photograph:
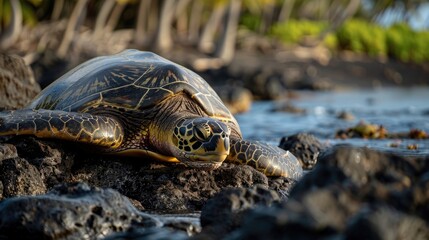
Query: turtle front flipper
point(81, 127)
point(270, 160)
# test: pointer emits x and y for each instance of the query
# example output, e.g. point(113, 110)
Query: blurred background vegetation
point(213, 27)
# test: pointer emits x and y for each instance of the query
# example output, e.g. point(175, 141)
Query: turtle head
point(201, 142)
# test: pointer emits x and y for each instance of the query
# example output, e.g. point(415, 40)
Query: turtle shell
point(133, 80)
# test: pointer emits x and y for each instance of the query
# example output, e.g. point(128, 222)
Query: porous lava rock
point(172, 187)
point(352, 193)
point(153, 185)
point(224, 212)
point(70, 211)
point(306, 148)
point(17, 84)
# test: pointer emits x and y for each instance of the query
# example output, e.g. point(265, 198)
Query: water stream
point(397, 109)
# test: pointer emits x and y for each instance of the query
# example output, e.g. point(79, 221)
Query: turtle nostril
point(226, 143)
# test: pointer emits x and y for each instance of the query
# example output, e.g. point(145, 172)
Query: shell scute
point(132, 80)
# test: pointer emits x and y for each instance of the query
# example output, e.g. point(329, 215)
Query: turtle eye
point(202, 132)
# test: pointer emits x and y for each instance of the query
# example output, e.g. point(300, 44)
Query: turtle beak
point(217, 146)
point(215, 152)
point(226, 145)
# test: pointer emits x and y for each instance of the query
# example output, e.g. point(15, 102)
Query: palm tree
point(285, 10)
point(115, 16)
point(73, 24)
point(102, 16)
point(163, 40)
point(207, 39)
point(226, 49)
point(195, 21)
point(142, 23)
point(58, 8)
point(181, 18)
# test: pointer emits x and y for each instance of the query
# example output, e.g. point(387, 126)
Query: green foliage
point(29, 12)
point(293, 31)
point(28, 9)
point(331, 41)
point(250, 21)
point(362, 37)
point(407, 45)
point(398, 41)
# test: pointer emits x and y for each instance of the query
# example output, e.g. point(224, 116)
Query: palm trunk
point(226, 49)
point(78, 13)
point(163, 40)
point(114, 17)
point(142, 22)
point(351, 9)
point(195, 21)
point(286, 10)
point(206, 43)
point(267, 18)
point(58, 8)
point(153, 23)
point(339, 18)
point(101, 20)
point(182, 18)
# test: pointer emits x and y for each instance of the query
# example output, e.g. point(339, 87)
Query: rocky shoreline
point(55, 190)
point(49, 191)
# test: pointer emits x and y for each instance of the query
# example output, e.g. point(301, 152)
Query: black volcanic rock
point(17, 83)
point(306, 148)
point(43, 164)
point(19, 178)
point(172, 187)
point(224, 212)
point(70, 211)
point(352, 193)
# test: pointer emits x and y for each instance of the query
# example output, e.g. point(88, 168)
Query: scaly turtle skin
point(138, 103)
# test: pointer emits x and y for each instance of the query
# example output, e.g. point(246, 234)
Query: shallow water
point(397, 109)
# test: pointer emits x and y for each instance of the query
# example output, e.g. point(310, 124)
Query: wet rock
point(358, 167)
point(363, 130)
point(352, 193)
point(70, 211)
point(17, 84)
point(347, 116)
point(267, 84)
point(19, 178)
point(224, 212)
point(306, 147)
point(386, 223)
point(236, 98)
point(314, 216)
point(188, 223)
point(148, 234)
point(418, 134)
point(289, 108)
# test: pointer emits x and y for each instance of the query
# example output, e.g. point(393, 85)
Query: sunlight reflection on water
point(397, 109)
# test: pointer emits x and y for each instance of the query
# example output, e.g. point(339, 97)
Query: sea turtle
point(138, 103)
